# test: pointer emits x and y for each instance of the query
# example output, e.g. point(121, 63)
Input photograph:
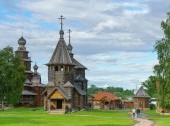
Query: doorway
point(59, 104)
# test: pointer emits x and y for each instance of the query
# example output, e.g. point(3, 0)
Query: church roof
point(79, 78)
point(68, 84)
point(60, 54)
point(60, 89)
point(141, 93)
point(21, 41)
point(26, 92)
point(27, 81)
point(78, 65)
point(50, 84)
point(79, 90)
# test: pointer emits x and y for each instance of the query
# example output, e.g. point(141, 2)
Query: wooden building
point(33, 88)
point(106, 100)
point(141, 99)
point(128, 104)
point(67, 86)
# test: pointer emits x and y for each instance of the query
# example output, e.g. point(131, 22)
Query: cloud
point(113, 39)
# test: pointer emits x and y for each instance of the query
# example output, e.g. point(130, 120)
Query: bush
point(152, 106)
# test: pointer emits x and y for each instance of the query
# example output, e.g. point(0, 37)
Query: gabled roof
point(60, 54)
point(26, 92)
point(68, 84)
point(141, 93)
point(79, 78)
point(105, 96)
point(78, 65)
point(50, 84)
point(60, 89)
point(27, 81)
point(79, 90)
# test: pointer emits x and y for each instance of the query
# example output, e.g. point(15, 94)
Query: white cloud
point(111, 37)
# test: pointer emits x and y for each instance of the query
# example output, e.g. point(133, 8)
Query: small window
point(56, 68)
point(62, 69)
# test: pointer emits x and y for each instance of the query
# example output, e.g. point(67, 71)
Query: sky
point(114, 39)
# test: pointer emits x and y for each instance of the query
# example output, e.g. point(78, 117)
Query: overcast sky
point(114, 39)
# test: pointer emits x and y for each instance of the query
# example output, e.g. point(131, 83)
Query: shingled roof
point(26, 92)
point(61, 54)
point(60, 89)
point(141, 93)
point(79, 90)
point(78, 65)
point(105, 96)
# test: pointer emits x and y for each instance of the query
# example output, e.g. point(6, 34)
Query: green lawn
point(29, 117)
point(161, 120)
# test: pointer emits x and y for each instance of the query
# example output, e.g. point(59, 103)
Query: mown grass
point(32, 117)
point(160, 120)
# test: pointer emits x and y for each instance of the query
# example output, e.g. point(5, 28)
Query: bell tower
point(60, 66)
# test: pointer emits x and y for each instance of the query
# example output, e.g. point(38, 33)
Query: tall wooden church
point(33, 88)
point(67, 86)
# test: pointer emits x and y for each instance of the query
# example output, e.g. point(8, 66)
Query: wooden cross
point(61, 17)
point(69, 31)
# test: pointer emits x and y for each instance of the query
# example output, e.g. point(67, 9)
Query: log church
point(66, 90)
point(32, 93)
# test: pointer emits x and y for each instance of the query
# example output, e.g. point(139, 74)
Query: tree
point(162, 70)
point(150, 85)
point(12, 76)
point(120, 92)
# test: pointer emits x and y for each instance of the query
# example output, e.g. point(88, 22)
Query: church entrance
point(59, 104)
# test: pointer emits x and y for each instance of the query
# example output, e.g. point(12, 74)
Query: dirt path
point(144, 122)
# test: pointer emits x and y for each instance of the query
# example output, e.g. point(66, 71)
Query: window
point(62, 69)
point(56, 68)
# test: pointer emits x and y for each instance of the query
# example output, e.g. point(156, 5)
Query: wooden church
point(32, 93)
point(66, 90)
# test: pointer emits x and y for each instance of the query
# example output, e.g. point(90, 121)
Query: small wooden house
point(128, 104)
point(141, 99)
point(106, 100)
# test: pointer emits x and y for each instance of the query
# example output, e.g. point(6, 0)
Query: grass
point(160, 120)
point(29, 117)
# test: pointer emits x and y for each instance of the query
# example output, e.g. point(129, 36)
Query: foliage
point(28, 117)
point(152, 106)
point(150, 85)
point(12, 76)
point(119, 91)
point(162, 70)
point(160, 120)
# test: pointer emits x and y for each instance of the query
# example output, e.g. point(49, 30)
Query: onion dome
point(69, 47)
point(61, 32)
point(35, 67)
point(21, 41)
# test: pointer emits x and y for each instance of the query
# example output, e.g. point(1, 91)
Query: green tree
point(12, 76)
point(119, 91)
point(162, 70)
point(150, 85)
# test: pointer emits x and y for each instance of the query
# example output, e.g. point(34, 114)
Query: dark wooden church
point(33, 88)
point(66, 90)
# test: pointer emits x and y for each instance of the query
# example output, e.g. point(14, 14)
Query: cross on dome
point(61, 17)
point(69, 31)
